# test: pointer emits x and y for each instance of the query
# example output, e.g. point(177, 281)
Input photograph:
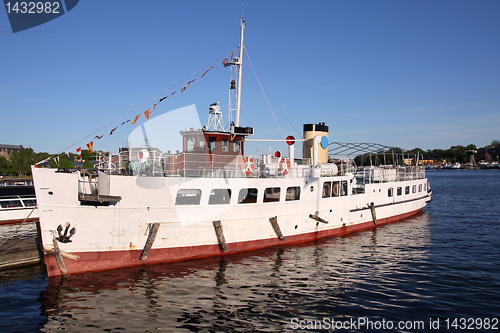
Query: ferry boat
point(17, 203)
point(145, 206)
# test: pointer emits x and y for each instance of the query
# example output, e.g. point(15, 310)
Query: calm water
point(424, 273)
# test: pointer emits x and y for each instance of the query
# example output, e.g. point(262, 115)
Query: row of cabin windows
point(17, 203)
point(334, 189)
point(221, 196)
point(212, 145)
point(390, 191)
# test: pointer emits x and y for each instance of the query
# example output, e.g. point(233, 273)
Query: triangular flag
point(56, 159)
point(79, 151)
point(146, 113)
point(123, 123)
point(90, 146)
point(202, 75)
point(135, 120)
point(98, 137)
point(184, 88)
point(224, 62)
point(68, 156)
point(111, 133)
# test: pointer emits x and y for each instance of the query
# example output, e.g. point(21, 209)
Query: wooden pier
point(18, 252)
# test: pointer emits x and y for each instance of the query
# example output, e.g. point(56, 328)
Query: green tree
point(495, 143)
point(5, 166)
point(22, 161)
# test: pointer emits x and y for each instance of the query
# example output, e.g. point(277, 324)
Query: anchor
point(64, 238)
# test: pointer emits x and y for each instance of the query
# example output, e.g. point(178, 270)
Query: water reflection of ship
point(274, 284)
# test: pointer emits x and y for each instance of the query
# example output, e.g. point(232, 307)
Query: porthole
point(312, 188)
point(50, 192)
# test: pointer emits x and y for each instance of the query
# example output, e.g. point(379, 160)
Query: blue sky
point(401, 73)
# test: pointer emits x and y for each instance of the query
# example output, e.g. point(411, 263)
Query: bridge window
point(272, 194)
point(407, 190)
point(390, 192)
point(212, 143)
point(237, 146)
point(414, 189)
point(420, 187)
point(247, 195)
point(219, 196)
point(293, 193)
point(400, 190)
point(188, 197)
point(225, 145)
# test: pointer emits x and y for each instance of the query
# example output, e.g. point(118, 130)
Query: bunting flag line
point(161, 100)
point(68, 156)
point(79, 151)
point(90, 146)
point(148, 112)
point(185, 87)
point(202, 75)
point(135, 120)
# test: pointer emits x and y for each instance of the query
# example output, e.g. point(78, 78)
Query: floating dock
point(18, 252)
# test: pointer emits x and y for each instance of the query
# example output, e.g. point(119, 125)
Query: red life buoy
point(247, 165)
point(284, 165)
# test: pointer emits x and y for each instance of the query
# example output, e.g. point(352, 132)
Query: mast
point(240, 70)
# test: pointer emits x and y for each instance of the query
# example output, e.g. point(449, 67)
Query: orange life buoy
point(284, 165)
point(248, 165)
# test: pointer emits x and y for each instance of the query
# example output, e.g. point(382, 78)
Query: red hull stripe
point(19, 220)
point(105, 260)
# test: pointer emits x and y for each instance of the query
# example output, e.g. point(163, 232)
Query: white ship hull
point(114, 236)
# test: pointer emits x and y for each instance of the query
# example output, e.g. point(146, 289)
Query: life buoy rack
point(284, 165)
point(248, 165)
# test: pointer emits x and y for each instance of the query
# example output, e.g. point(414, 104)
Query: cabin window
point(414, 189)
point(237, 146)
point(10, 203)
point(272, 194)
point(219, 196)
point(247, 195)
point(420, 187)
point(188, 197)
point(407, 190)
point(29, 202)
point(225, 145)
point(327, 189)
point(191, 142)
point(400, 190)
point(293, 193)
point(390, 192)
point(336, 189)
point(212, 144)
point(343, 189)
point(202, 144)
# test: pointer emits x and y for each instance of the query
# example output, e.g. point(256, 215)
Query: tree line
point(461, 154)
point(21, 161)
